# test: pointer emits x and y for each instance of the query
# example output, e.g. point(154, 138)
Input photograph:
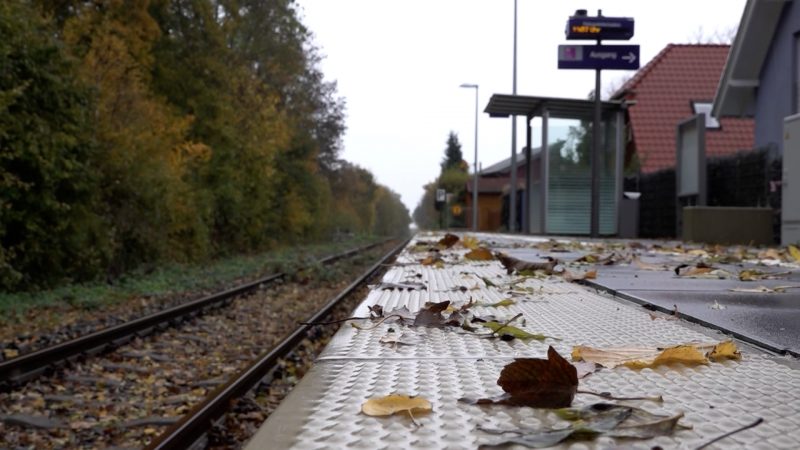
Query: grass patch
point(171, 279)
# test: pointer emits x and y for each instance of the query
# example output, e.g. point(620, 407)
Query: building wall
point(775, 97)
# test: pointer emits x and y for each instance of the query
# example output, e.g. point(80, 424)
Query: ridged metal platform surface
point(444, 365)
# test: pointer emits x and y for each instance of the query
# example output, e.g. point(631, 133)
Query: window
point(705, 109)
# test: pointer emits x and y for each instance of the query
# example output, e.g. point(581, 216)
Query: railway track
point(194, 425)
point(16, 371)
point(136, 388)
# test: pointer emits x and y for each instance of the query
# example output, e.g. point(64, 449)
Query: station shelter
point(557, 182)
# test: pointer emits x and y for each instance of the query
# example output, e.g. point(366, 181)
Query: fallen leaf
point(794, 252)
point(590, 258)
point(431, 315)
point(641, 265)
point(479, 254)
point(641, 357)
point(702, 271)
point(470, 242)
point(586, 368)
point(488, 282)
point(764, 289)
point(537, 383)
point(9, 353)
point(394, 338)
point(570, 276)
point(394, 403)
point(724, 350)
point(512, 331)
point(602, 419)
point(769, 253)
point(448, 240)
point(513, 264)
point(504, 302)
point(717, 305)
point(757, 275)
point(433, 260)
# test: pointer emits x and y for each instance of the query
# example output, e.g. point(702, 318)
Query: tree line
point(140, 131)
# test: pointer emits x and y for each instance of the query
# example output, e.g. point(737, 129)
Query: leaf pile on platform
point(642, 357)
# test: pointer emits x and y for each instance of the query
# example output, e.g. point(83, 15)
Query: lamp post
point(475, 167)
point(512, 200)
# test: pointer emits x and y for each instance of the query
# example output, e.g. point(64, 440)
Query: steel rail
point(26, 367)
point(194, 425)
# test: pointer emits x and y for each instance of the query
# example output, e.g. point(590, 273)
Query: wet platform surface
point(769, 319)
point(443, 365)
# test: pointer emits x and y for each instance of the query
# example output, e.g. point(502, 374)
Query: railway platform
point(678, 402)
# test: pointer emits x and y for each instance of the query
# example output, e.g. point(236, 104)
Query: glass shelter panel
point(569, 196)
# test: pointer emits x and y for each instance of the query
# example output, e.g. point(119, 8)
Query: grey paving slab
point(770, 319)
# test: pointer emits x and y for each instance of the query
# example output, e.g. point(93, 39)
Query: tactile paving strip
point(445, 365)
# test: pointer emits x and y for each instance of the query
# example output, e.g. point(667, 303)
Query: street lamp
point(475, 170)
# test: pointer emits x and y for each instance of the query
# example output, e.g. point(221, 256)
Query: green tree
point(391, 215)
point(49, 228)
point(453, 158)
point(146, 159)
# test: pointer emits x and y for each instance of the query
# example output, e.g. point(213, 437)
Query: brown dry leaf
point(513, 264)
point(480, 254)
point(642, 357)
point(570, 276)
point(433, 260)
point(591, 258)
point(702, 271)
point(769, 253)
point(538, 383)
point(394, 403)
point(448, 240)
point(641, 265)
point(757, 275)
point(431, 315)
point(9, 353)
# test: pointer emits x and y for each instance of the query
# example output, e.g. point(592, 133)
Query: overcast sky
point(399, 65)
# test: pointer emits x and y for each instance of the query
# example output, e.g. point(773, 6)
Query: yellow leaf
point(480, 254)
point(685, 354)
point(795, 252)
point(470, 242)
point(724, 350)
point(641, 357)
point(394, 403)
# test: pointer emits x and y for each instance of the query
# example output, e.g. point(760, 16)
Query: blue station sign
point(600, 27)
point(604, 57)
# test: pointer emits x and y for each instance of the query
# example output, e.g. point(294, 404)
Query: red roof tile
point(664, 90)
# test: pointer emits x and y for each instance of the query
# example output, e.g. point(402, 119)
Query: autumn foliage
point(143, 131)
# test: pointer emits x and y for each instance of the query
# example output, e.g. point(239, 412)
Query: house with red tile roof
point(679, 82)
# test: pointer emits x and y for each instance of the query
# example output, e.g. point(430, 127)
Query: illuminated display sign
point(611, 28)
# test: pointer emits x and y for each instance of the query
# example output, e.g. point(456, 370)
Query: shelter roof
point(505, 105)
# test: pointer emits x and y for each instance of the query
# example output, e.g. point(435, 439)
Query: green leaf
point(504, 302)
point(513, 331)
